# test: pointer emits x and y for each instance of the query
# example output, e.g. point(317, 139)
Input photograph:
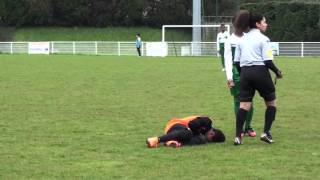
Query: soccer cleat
point(152, 142)
point(237, 141)
point(250, 132)
point(266, 137)
point(174, 144)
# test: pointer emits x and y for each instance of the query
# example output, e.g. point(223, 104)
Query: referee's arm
point(268, 57)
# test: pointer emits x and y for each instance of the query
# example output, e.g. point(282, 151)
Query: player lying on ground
point(191, 130)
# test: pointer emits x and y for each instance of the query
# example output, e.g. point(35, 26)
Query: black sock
point(181, 136)
point(241, 117)
point(270, 116)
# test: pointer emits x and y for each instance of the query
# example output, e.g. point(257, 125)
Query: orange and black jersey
point(197, 124)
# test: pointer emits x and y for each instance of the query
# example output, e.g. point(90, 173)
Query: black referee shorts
point(256, 78)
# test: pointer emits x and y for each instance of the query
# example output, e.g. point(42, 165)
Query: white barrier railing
point(297, 49)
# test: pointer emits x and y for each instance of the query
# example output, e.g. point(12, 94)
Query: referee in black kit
point(253, 58)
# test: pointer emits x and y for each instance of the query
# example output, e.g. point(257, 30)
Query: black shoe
point(266, 137)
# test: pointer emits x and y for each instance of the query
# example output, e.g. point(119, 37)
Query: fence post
point(119, 46)
point(191, 48)
point(11, 47)
point(74, 47)
point(52, 47)
point(302, 47)
point(96, 47)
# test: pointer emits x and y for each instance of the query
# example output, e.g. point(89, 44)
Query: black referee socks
point(270, 116)
point(241, 117)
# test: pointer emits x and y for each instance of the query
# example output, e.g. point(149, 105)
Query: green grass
point(87, 117)
point(96, 34)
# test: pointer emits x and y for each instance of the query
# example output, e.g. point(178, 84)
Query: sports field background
point(87, 117)
point(96, 34)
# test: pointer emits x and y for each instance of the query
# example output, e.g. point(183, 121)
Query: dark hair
point(254, 18)
point(245, 20)
point(241, 20)
point(138, 34)
point(219, 136)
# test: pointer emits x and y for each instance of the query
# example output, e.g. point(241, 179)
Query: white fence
point(298, 49)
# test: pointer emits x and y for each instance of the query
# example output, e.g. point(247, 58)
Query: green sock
point(236, 106)
point(222, 61)
point(249, 118)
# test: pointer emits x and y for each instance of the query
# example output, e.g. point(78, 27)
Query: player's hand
point(279, 75)
point(230, 83)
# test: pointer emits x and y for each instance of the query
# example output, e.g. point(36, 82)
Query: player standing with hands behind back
point(138, 43)
point(253, 59)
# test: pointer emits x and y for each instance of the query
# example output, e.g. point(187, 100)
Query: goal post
point(164, 27)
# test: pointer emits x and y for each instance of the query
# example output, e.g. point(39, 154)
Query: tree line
point(288, 20)
point(95, 13)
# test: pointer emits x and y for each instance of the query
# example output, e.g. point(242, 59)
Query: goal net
point(191, 40)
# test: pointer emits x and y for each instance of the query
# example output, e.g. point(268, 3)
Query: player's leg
point(246, 95)
point(248, 127)
point(236, 105)
point(176, 136)
point(178, 133)
point(139, 51)
point(267, 90)
point(235, 92)
point(240, 119)
point(222, 55)
point(270, 115)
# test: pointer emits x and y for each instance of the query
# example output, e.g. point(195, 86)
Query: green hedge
point(290, 21)
point(94, 13)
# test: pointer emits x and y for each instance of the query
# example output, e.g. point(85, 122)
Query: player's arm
point(270, 65)
point(200, 125)
point(267, 56)
point(228, 62)
point(197, 140)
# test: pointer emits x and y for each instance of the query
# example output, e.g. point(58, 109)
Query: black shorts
point(256, 78)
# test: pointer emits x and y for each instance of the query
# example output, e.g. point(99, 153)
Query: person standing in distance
point(233, 76)
point(253, 59)
point(138, 43)
point(222, 36)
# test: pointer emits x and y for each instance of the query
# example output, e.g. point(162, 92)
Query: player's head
point(215, 135)
point(138, 35)
point(241, 21)
point(258, 21)
point(222, 28)
point(246, 20)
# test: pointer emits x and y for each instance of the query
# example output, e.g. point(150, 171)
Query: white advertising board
point(38, 47)
point(157, 49)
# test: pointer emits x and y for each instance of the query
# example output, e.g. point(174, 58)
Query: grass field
point(87, 117)
point(96, 34)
